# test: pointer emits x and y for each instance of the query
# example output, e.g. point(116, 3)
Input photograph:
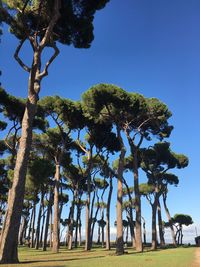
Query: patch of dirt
point(197, 258)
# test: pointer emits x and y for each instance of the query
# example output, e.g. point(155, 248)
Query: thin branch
point(49, 30)
point(16, 56)
point(45, 71)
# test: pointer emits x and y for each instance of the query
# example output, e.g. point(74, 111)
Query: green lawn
point(180, 257)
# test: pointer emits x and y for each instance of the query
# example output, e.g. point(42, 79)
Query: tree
point(138, 119)
point(42, 24)
point(156, 161)
point(178, 221)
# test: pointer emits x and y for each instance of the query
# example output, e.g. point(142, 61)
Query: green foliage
point(75, 25)
point(182, 219)
point(146, 189)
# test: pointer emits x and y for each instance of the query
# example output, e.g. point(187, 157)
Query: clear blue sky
point(148, 46)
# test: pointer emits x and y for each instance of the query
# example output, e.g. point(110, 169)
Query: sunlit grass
point(180, 257)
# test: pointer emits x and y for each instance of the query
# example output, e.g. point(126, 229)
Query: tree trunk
point(29, 229)
point(79, 230)
point(71, 223)
point(9, 240)
point(99, 234)
point(94, 219)
point(87, 214)
point(33, 226)
point(77, 220)
point(42, 229)
point(144, 231)
point(56, 220)
point(154, 231)
point(37, 235)
point(138, 227)
point(21, 232)
point(119, 241)
point(108, 215)
point(47, 221)
point(169, 220)
point(160, 225)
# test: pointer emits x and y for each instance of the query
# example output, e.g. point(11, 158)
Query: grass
point(179, 257)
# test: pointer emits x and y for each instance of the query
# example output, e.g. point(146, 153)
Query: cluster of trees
point(55, 144)
point(78, 148)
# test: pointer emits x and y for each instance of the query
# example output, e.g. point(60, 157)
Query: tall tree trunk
point(130, 215)
point(108, 215)
point(71, 223)
point(29, 228)
point(154, 231)
point(138, 227)
point(181, 235)
point(42, 229)
point(144, 231)
point(77, 220)
point(87, 214)
point(56, 220)
point(79, 230)
point(94, 219)
point(119, 241)
point(47, 220)
point(98, 234)
point(37, 235)
point(160, 225)
point(33, 226)
point(169, 220)
point(50, 229)
point(9, 240)
point(22, 226)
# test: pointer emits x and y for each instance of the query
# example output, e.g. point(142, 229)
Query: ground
point(197, 258)
point(180, 257)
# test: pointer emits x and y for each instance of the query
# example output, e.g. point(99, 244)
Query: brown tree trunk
point(71, 223)
point(79, 230)
point(154, 231)
point(77, 220)
point(30, 224)
point(160, 225)
point(37, 234)
point(108, 215)
point(42, 229)
point(21, 232)
point(9, 240)
point(144, 231)
point(87, 214)
point(119, 241)
point(138, 227)
point(33, 226)
point(47, 220)
point(169, 220)
point(56, 220)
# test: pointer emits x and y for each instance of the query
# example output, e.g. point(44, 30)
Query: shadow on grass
point(60, 260)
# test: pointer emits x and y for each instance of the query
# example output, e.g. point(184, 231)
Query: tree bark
point(33, 226)
point(37, 235)
point(71, 223)
point(9, 240)
point(56, 220)
point(47, 220)
point(169, 220)
point(160, 225)
point(108, 247)
point(119, 241)
point(154, 231)
point(138, 227)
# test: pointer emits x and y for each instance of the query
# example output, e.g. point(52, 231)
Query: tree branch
point(16, 56)
point(45, 71)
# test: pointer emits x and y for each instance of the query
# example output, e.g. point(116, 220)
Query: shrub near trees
point(89, 140)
